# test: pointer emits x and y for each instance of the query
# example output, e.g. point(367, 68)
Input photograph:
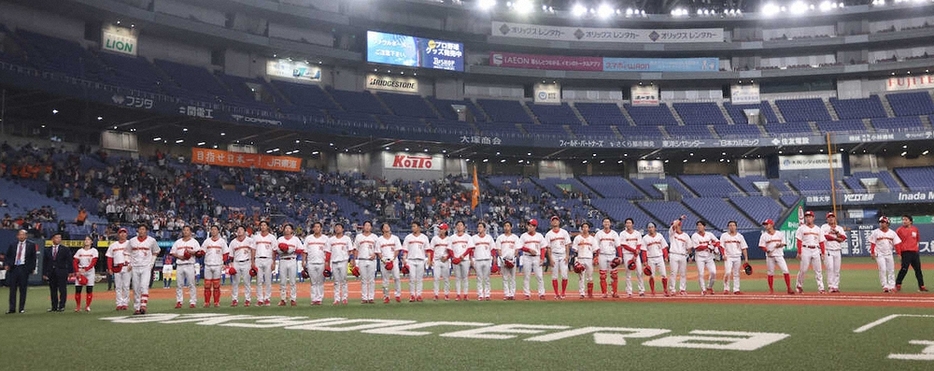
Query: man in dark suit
point(56, 264)
point(19, 263)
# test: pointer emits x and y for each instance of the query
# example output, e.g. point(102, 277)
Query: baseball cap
point(768, 221)
point(831, 214)
point(809, 213)
point(555, 217)
point(443, 226)
point(122, 230)
point(533, 222)
point(883, 219)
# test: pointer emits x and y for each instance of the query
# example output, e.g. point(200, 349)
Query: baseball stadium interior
point(107, 106)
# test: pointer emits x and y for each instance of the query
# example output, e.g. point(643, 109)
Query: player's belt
point(316, 263)
point(243, 261)
point(653, 257)
point(483, 260)
point(416, 259)
point(338, 261)
point(608, 254)
point(811, 247)
point(262, 257)
point(286, 258)
point(677, 253)
point(180, 264)
point(369, 259)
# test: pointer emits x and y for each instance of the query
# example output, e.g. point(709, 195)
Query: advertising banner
point(661, 64)
point(407, 161)
point(216, 157)
point(292, 70)
point(547, 93)
point(119, 40)
point(644, 95)
point(614, 35)
point(392, 83)
point(809, 162)
point(411, 51)
point(745, 94)
point(546, 62)
point(909, 83)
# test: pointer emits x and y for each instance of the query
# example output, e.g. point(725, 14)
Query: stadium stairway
point(776, 111)
point(831, 110)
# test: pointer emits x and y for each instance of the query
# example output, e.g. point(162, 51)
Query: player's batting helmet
point(327, 273)
point(253, 271)
point(747, 268)
point(231, 271)
point(616, 262)
point(187, 255)
point(578, 268)
point(199, 254)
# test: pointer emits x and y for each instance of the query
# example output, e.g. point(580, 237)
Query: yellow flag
point(475, 195)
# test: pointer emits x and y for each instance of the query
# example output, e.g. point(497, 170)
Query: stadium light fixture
point(223, 134)
point(578, 10)
point(200, 143)
point(156, 139)
point(605, 11)
point(486, 4)
point(798, 7)
point(770, 9)
point(180, 141)
point(629, 12)
point(185, 130)
point(925, 153)
point(523, 6)
point(54, 111)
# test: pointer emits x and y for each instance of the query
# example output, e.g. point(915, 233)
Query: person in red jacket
point(908, 250)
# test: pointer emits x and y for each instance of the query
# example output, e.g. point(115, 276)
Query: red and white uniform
point(339, 247)
point(185, 277)
point(607, 242)
point(531, 247)
point(264, 255)
point(585, 247)
point(242, 254)
point(214, 252)
point(366, 248)
point(703, 257)
point(316, 250)
point(482, 263)
point(774, 251)
point(836, 237)
point(415, 248)
point(441, 263)
point(680, 245)
point(656, 249)
point(882, 246)
point(632, 249)
point(143, 254)
point(118, 254)
point(84, 261)
point(461, 247)
point(389, 251)
point(507, 246)
point(558, 244)
point(733, 246)
point(810, 248)
point(288, 266)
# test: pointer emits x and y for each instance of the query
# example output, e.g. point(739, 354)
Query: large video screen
point(411, 51)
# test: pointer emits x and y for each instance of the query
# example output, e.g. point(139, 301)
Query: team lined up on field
point(604, 250)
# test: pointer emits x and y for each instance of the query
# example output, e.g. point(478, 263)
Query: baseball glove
point(508, 264)
point(578, 268)
point(631, 265)
point(616, 262)
point(355, 271)
point(388, 265)
point(305, 274)
point(747, 269)
point(404, 269)
point(283, 247)
point(82, 280)
point(186, 255)
point(456, 261)
point(231, 271)
point(199, 254)
point(647, 271)
point(117, 268)
point(327, 273)
point(253, 272)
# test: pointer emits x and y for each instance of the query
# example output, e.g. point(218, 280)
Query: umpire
point(908, 249)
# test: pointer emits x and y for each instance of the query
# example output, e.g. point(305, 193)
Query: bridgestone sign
point(391, 83)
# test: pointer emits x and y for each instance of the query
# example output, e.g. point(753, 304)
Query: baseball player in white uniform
point(316, 255)
point(734, 249)
point(656, 252)
point(532, 245)
point(83, 264)
point(143, 253)
point(559, 246)
point(389, 247)
point(836, 237)
point(216, 254)
point(585, 245)
point(184, 250)
point(506, 245)
point(440, 260)
point(810, 242)
point(773, 243)
point(264, 242)
point(882, 243)
point(461, 248)
point(631, 241)
point(288, 248)
point(414, 248)
point(241, 248)
point(704, 244)
point(118, 261)
point(680, 245)
point(483, 260)
point(609, 250)
point(365, 250)
point(337, 254)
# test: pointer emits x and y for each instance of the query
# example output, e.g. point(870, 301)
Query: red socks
point(590, 289)
point(207, 291)
point(217, 293)
point(554, 283)
point(652, 284)
point(90, 297)
point(771, 283)
point(788, 281)
point(564, 287)
point(664, 284)
point(77, 301)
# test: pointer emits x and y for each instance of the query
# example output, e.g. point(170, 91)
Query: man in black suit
point(19, 263)
point(56, 264)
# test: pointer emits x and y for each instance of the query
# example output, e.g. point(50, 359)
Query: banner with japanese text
point(613, 35)
point(216, 157)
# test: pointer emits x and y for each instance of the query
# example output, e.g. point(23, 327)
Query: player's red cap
point(809, 213)
point(768, 221)
point(831, 214)
point(555, 217)
point(533, 222)
point(443, 226)
point(122, 230)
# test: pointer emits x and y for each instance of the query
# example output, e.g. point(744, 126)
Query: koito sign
point(404, 161)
